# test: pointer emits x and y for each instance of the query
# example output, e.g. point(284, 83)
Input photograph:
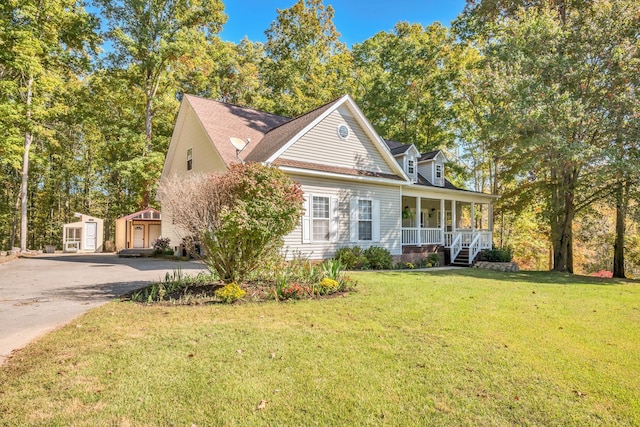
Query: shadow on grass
point(537, 277)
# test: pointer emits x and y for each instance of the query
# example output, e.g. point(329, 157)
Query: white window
point(365, 220)
point(189, 159)
point(438, 172)
point(411, 167)
point(320, 218)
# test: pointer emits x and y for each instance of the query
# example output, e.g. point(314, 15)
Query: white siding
point(426, 169)
point(323, 145)
point(205, 159)
point(390, 215)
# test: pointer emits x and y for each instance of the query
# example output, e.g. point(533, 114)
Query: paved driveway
point(42, 293)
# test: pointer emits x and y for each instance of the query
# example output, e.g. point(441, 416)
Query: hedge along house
point(86, 235)
point(359, 189)
point(138, 230)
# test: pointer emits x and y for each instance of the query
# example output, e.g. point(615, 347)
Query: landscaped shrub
point(433, 259)
point(497, 255)
point(239, 217)
point(161, 246)
point(327, 286)
point(378, 258)
point(332, 268)
point(230, 293)
point(295, 291)
point(351, 258)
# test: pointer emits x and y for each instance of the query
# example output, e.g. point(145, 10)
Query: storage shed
point(85, 235)
point(138, 230)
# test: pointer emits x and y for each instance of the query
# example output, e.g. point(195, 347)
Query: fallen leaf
point(579, 393)
point(239, 351)
point(262, 405)
point(190, 355)
point(109, 372)
point(273, 355)
point(517, 398)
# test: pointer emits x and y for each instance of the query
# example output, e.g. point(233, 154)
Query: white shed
point(86, 235)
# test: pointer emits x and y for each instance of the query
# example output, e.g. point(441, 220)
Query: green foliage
point(332, 268)
point(378, 258)
point(497, 255)
point(433, 259)
point(230, 293)
point(351, 258)
point(305, 64)
point(161, 245)
point(239, 217)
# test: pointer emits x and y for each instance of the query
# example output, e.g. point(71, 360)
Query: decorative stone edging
point(499, 266)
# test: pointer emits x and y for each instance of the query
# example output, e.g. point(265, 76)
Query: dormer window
point(439, 178)
point(411, 167)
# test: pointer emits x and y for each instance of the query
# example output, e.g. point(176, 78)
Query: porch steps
point(462, 260)
point(135, 253)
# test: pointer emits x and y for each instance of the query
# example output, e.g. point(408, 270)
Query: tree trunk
point(561, 220)
point(28, 139)
point(621, 213)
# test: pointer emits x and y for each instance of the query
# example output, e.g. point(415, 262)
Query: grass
point(438, 348)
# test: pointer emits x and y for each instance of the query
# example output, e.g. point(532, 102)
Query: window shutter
point(375, 208)
point(306, 219)
point(353, 218)
point(333, 220)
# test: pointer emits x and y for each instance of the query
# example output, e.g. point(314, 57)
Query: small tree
point(239, 217)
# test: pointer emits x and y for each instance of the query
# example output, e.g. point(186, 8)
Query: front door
point(138, 236)
point(90, 236)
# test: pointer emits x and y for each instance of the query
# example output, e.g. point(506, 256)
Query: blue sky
point(356, 20)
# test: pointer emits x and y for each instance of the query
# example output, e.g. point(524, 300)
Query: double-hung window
point(189, 159)
point(410, 167)
point(365, 220)
point(320, 218)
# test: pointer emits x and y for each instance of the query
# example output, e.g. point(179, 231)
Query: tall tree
point(548, 75)
point(305, 65)
point(406, 81)
point(42, 42)
point(151, 39)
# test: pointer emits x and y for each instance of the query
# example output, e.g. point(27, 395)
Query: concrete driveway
point(45, 292)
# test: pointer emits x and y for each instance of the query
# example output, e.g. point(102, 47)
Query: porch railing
point(428, 236)
point(467, 237)
point(456, 246)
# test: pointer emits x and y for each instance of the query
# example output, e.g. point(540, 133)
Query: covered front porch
point(462, 226)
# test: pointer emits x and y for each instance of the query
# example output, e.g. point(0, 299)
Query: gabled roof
point(277, 137)
point(141, 214)
point(397, 147)
point(447, 184)
point(222, 121)
point(430, 155)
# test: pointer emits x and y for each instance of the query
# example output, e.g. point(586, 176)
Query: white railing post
point(456, 247)
point(419, 219)
point(443, 218)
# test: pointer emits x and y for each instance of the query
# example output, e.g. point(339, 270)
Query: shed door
point(138, 236)
point(90, 236)
point(154, 233)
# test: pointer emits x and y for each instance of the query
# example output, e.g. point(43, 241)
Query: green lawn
point(438, 348)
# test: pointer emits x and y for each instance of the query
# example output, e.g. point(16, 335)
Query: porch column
point(419, 220)
point(473, 217)
point(443, 225)
point(453, 216)
point(490, 219)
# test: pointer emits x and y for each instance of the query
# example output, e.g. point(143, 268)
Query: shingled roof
point(222, 121)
